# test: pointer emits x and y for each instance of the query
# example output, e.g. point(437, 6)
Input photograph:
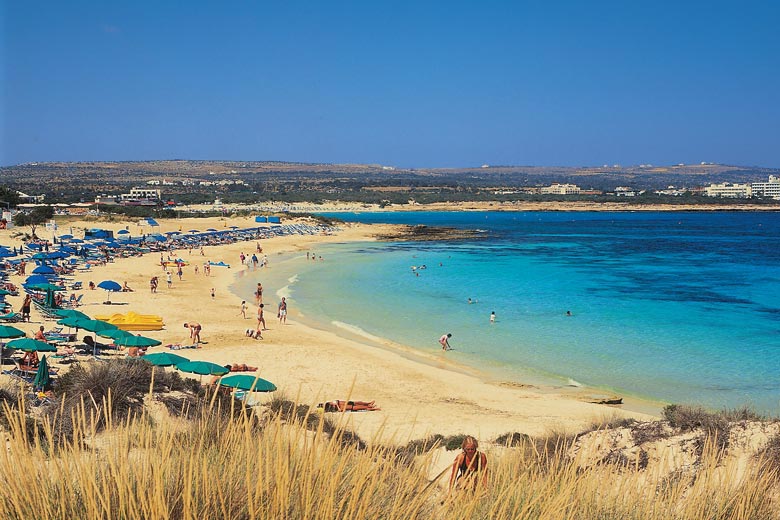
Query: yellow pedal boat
point(133, 321)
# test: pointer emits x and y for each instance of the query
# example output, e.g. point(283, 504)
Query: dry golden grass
point(235, 466)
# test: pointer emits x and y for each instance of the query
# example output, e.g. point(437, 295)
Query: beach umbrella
point(3, 292)
point(92, 325)
point(194, 231)
point(31, 345)
point(66, 237)
point(211, 229)
point(136, 341)
point(202, 368)
point(72, 321)
point(110, 286)
point(70, 313)
point(42, 379)
point(123, 232)
point(45, 287)
point(114, 333)
point(44, 269)
point(247, 382)
point(7, 331)
point(164, 359)
point(34, 279)
point(5, 252)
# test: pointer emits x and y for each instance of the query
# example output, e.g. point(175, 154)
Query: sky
point(407, 84)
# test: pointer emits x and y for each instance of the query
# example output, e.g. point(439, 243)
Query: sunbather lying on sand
point(240, 367)
point(179, 346)
point(348, 406)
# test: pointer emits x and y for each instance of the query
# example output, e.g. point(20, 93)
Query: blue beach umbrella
point(43, 269)
point(34, 279)
point(110, 286)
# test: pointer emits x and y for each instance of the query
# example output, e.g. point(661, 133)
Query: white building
point(769, 189)
point(728, 189)
point(560, 189)
point(138, 194)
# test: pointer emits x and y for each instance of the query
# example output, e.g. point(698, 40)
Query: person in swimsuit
point(26, 308)
point(469, 467)
point(195, 329)
point(283, 311)
point(348, 406)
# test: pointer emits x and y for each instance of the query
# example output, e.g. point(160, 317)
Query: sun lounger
point(27, 373)
point(11, 317)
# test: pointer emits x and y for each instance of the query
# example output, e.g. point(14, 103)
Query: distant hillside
point(73, 181)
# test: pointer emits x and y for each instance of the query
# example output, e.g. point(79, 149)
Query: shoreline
point(547, 383)
point(517, 206)
point(310, 365)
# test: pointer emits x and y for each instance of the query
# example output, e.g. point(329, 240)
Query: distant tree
point(9, 196)
point(34, 218)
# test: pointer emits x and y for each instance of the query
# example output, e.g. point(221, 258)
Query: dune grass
point(225, 461)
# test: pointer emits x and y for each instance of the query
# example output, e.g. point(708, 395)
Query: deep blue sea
point(680, 307)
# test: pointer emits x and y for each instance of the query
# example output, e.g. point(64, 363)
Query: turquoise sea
point(680, 307)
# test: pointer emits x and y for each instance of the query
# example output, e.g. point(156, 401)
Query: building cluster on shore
point(769, 189)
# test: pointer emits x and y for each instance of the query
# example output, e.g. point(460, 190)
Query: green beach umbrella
point(7, 331)
point(164, 359)
point(42, 378)
point(248, 383)
point(70, 313)
point(3, 292)
point(94, 325)
point(114, 333)
point(136, 341)
point(203, 368)
point(31, 345)
point(70, 321)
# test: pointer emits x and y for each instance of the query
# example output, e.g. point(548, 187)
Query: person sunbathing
point(240, 367)
point(348, 406)
point(30, 359)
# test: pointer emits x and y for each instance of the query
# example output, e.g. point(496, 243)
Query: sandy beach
point(417, 397)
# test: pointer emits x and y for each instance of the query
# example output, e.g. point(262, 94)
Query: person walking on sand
point(242, 312)
point(195, 329)
point(260, 318)
point(444, 341)
point(25, 310)
point(169, 279)
point(282, 315)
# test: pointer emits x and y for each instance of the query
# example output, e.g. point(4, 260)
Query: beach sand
point(418, 397)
